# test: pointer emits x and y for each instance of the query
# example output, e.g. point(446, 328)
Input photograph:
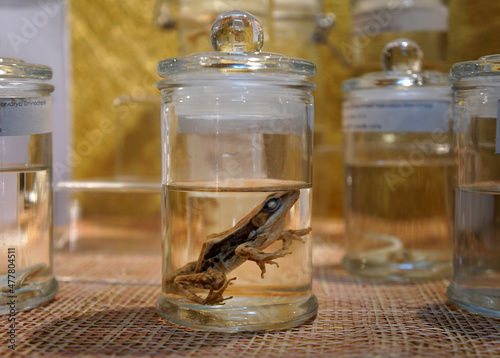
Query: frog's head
point(275, 207)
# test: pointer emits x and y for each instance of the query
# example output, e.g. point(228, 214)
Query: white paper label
point(393, 19)
point(25, 116)
point(402, 116)
point(497, 139)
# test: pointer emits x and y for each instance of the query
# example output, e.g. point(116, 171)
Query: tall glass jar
point(25, 186)
point(399, 169)
point(476, 246)
point(237, 141)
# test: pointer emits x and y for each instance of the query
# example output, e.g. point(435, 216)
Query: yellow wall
point(115, 48)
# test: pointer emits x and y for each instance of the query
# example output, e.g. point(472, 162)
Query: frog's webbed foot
point(215, 297)
point(262, 264)
point(261, 258)
point(251, 253)
point(289, 235)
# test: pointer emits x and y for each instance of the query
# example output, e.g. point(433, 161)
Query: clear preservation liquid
point(25, 237)
point(476, 261)
point(399, 219)
point(282, 298)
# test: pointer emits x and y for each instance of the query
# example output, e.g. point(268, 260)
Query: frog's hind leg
point(212, 280)
point(188, 269)
point(215, 296)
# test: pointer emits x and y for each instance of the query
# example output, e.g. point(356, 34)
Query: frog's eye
point(272, 205)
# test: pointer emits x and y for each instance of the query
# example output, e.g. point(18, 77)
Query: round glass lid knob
point(237, 31)
point(402, 56)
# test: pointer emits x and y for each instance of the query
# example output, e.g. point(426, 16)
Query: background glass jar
point(398, 169)
point(26, 185)
point(237, 143)
point(377, 22)
point(476, 246)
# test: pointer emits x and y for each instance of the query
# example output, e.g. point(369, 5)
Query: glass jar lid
point(14, 68)
point(402, 65)
point(236, 38)
point(484, 66)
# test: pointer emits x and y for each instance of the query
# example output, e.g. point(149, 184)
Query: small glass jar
point(237, 140)
point(476, 246)
point(399, 169)
point(26, 186)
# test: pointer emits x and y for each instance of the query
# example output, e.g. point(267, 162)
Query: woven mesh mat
point(357, 318)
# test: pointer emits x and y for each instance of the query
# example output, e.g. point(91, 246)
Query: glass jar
point(476, 245)
point(26, 186)
point(289, 24)
point(399, 169)
point(376, 22)
point(236, 144)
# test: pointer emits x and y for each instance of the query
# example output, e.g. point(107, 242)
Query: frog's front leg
point(289, 235)
point(250, 251)
point(212, 280)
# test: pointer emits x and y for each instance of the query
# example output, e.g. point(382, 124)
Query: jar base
point(29, 296)
point(481, 301)
point(398, 271)
point(251, 316)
